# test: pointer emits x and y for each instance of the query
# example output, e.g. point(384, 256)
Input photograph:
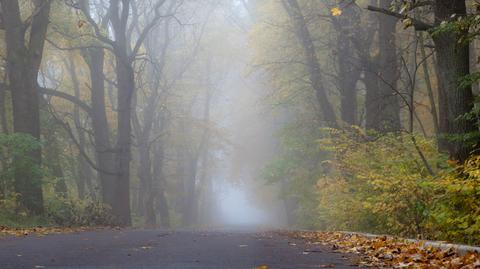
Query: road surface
point(152, 249)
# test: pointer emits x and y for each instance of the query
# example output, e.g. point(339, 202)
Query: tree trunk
point(160, 182)
point(428, 83)
point(453, 65)
point(372, 110)
point(23, 63)
point(53, 161)
point(3, 111)
point(85, 173)
point(348, 72)
point(145, 173)
point(443, 124)
point(387, 100)
point(191, 199)
point(180, 172)
point(143, 133)
point(126, 87)
point(101, 133)
point(313, 67)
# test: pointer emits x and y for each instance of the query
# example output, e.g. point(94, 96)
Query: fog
point(164, 115)
point(350, 115)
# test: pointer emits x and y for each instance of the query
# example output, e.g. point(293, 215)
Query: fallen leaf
point(389, 252)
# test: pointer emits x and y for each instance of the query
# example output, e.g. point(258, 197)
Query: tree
point(348, 68)
point(453, 57)
point(120, 14)
point(153, 122)
point(84, 174)
point(25, 40)
point(310, 56)
point(382, 105)
point(94, 56)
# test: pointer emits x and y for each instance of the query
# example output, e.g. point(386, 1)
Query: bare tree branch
point(418, 24)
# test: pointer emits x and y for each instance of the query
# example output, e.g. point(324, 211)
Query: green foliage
point(15, 150)
point(12, 220)
point(11, 215)
point(377, 183)
point(15, 156)
point(456, 211)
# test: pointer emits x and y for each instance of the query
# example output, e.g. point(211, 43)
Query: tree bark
point(94, 57)
point(147, 193)
point(453, 65)
point(388, 120)
point(428, 82)
point(3, 110)
point(23, 63)
point(372, 110)
point(160, 182)
point(53, 160)
point(85, 173)
point(313, 66)
point(348, 72)
point(126, 88)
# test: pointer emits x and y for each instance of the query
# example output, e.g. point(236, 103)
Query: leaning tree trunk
point(313, 66)
point(428, 83)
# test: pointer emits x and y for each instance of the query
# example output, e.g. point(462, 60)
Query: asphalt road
point(148, 249)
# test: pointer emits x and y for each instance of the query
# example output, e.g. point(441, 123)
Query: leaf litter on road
point(389, 252)
point(42, 231)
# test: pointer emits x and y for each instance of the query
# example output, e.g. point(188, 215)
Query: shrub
point(376, 183)
point(14, 149)
point(455, 215)
point(75, 212)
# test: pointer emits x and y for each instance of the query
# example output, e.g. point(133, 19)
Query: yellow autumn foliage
point(336, 11)
point(378, 183)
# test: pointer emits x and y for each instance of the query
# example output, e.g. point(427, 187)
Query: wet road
point(148, 249)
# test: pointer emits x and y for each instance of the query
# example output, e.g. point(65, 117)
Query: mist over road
point(148, 249)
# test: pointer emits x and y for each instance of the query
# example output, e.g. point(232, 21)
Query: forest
point(332, 115)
